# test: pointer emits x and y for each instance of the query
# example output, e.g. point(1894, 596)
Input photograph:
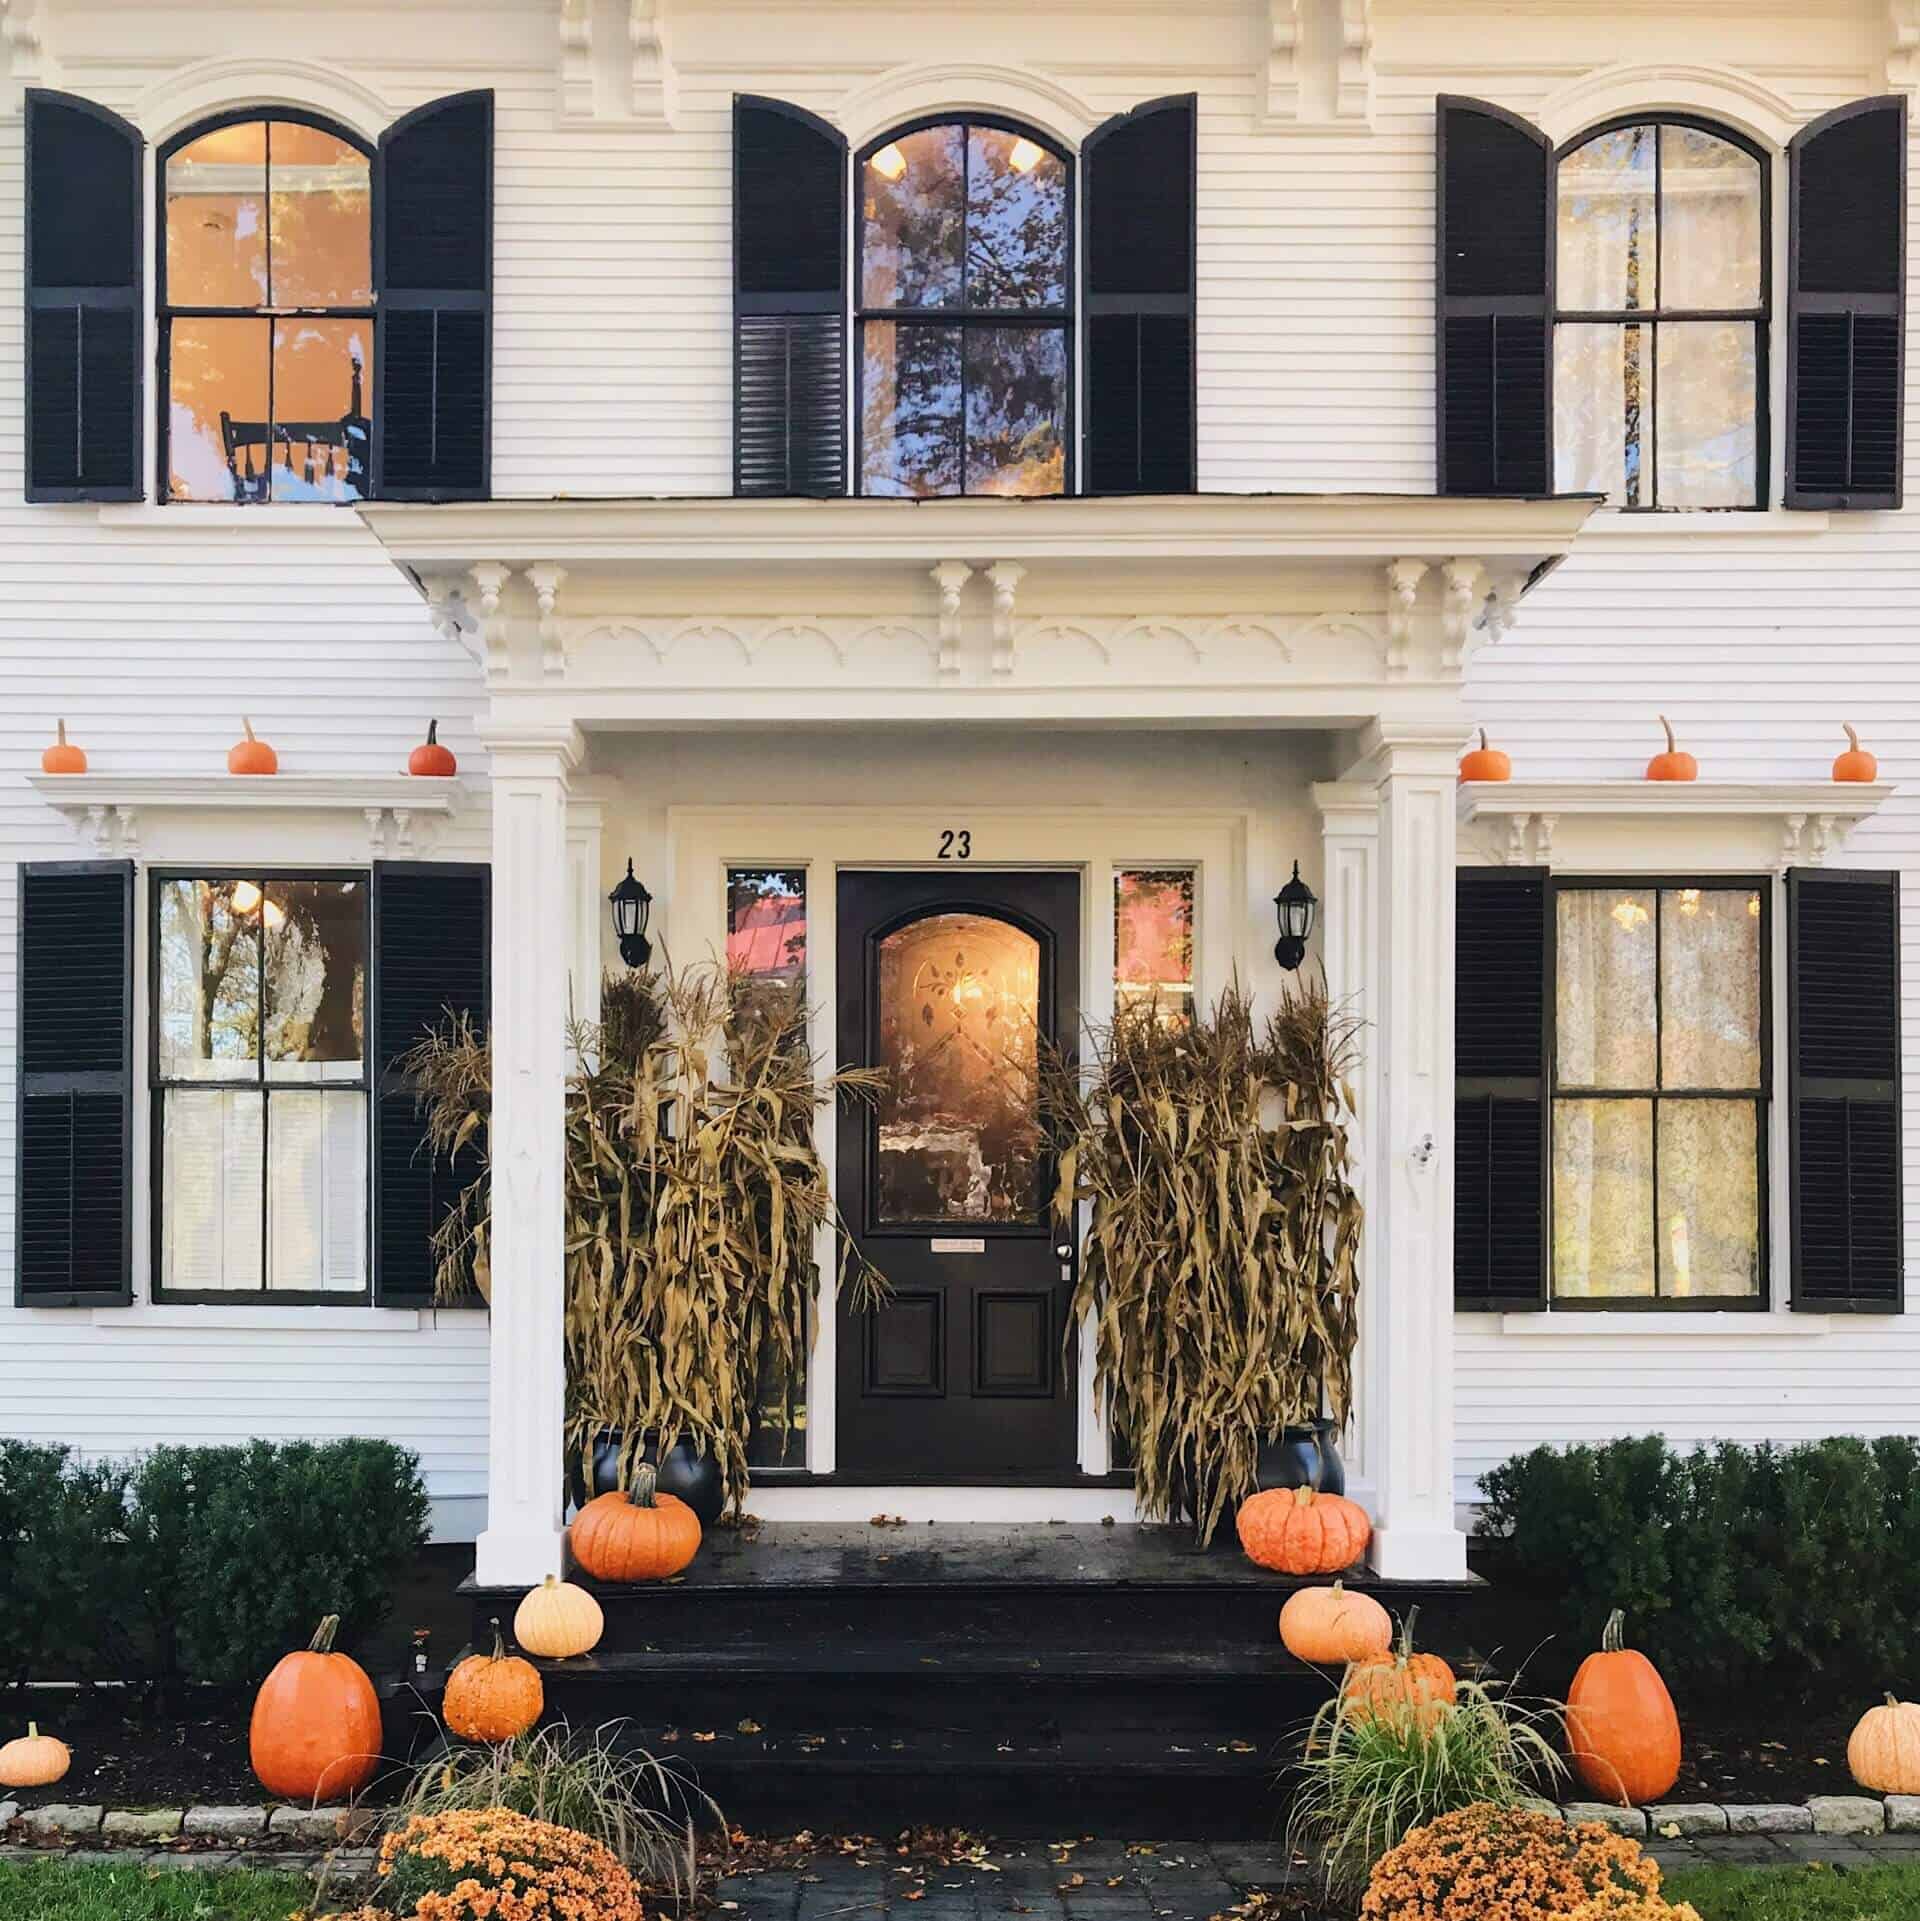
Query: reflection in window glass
point(1608, 255)
point(322, 397)
point(1153, 937)
point(1710, 221)
point(1709, 987)
point(1709, 1206)
point(1603, 1199)
point(319, 215)
point(217, 219)
point(218, 401)
point(1602, 429)
point(1705, 383)
point(910, 409)
point(1604, 995)
point(316, 978)
point(209, 1013)
point(1016, 222)
point(1016, 410)
point(767, 923)
point(914, 229)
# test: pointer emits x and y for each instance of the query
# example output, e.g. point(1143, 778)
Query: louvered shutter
point(1499, 1114)
point(73, 1169)
point(83, 346)
point(433, 331)
point(1843, 1021)
point(1139, 195)
point(789, 301)
point(1493, 252)
point(1846, 307)
point(432, 941)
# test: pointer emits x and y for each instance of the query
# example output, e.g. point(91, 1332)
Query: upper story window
point(1660, 317)
point(965, 312)
point(266, 313)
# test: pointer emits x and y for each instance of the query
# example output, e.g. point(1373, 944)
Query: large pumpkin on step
point(1331, 1628)
point(558, 1620)
point(641, 1535)
point(493, 1697)
point(1400, 1681)
point(1621, 1727)
point(34, 1760)
point(1296, 1530)
point(315, 1734)
point(1883, 1752)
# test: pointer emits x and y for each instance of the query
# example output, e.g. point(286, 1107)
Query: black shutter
point(432, 943)
point(1140, 300)
point(1843, 1024)
point(83, 301)
point(789, 301)
point(73, 1170)
point(1499, 1107)
point(1493, 295)
point(1846, 307)
point(433, 331)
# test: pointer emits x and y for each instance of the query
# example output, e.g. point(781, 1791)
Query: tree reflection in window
point(965, 314)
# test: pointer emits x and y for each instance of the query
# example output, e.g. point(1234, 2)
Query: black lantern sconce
point(1294, 905)
point(631, 904)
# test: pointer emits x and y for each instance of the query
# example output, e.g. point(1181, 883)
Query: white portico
point(1224, 684)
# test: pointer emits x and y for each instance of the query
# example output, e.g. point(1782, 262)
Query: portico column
point(1412, 768)
point(533, 919)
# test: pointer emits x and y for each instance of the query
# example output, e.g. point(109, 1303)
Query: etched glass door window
point(959, 1029)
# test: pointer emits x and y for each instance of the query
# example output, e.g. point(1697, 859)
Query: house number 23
point(956, 843)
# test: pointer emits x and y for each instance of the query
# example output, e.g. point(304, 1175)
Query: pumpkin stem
point(1483, 740)
point(1406, 1634)
point(33, 1727)
point(322, 1642)
point(1613, 1635)
point(433, 733)
point(60, 731)
point(645, 1479)
point(499, 1639)
point(247, 725)
point(1853, 739)
point(1668, 725)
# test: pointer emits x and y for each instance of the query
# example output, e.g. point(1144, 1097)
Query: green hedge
point(1794, 1567)
point(197, 1563)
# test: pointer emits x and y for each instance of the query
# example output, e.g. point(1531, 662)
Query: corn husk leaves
point(1222, 1251)
point(694, 1202)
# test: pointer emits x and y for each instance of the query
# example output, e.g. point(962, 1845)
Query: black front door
point(953, 985)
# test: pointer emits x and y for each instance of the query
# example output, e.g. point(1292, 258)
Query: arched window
point(1661, 301)
point(266, 311)
point(964, 293)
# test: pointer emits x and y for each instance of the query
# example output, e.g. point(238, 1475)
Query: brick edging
point(273, 1825)
point(1828, 1814)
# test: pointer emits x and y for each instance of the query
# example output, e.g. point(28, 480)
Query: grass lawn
point(61, 1891)
point(1794, 1894)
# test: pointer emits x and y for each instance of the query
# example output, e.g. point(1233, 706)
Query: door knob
point(1064, 1252)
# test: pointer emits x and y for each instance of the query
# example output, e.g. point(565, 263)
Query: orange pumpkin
point(34, 1760)
point(1621, 1728)
point(642, 1535)
point(1883, 1752)
point(1331, 1628)
point(1855, 764)
point(251, 755)
point(493, 1697)
point(430, 758)
point(1673, 764)
point(1485, 763)
point(1400, 1680)
point(315, 1734)
point(1297, 1530)
point(63, 757)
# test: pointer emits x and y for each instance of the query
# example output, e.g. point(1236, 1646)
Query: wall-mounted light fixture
point(631, 904)
point(1294, 905)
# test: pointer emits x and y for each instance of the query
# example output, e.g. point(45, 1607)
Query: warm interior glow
point(889, 161)
point(274, 914)
point(1682, 1261)
point(1025, 156)
point(246, 897)
point(1629, 913)
point(1689, 900)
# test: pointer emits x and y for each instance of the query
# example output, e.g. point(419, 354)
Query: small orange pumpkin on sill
point(1485, 763)
point(1856, 763)
point(430, 759)
point(1675, 763)
point(251, 755)
point(63, 757)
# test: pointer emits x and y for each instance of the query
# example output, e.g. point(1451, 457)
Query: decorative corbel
point(127, 825)
point(1281, 91)
point(1543, 826)
point(1353, 84)
point(1459, 602)
point(1403, 584)
point(576, 59)
point(950, 576)
point(1006, 576)
point(651, 74)
point(23, 34)
point(546, 579)
point(489, 579)
point(1903, 44)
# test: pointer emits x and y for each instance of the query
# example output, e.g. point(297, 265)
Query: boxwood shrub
point(1795, 1568)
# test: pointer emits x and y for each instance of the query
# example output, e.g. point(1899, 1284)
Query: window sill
point(241, 1318)
point(1697, 526)
point(283, 515)
point(1626, 1324)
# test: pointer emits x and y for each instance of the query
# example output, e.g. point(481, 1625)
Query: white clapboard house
point(1058, 465)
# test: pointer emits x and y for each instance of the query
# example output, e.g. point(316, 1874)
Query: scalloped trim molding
point(902, 93)
point(1723, 93)
point(216, 86)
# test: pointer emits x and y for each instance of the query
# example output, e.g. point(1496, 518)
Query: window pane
point(910, 409)
point(1606, 224)
point(320, 221)
point(317, 1191)
point(322, 393)
point(1709, 987)
point(1706, 392)
point(217, 401)
point(1709, 1198)
point(913, 193)
point(1016, 221)
point(767, 922)
point(216, 219)
point(210, 1189)
point(1153, 937)
point(209, 1013)
point(316, 980)
point(1710, 221)
point(1601, 419)
point(1604, 996)
point(1602, 1198)
point(1016, 410)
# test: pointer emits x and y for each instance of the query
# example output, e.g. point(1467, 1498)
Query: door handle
point(1064, 1252)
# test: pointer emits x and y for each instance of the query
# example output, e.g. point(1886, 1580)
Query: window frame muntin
point(165, 314)
point(1761, 317)
point(1761, 1300)
point(1066, 319)
point(159, 1085)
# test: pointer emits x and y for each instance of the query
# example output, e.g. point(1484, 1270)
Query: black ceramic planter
point(686, 1474)
point(1304, 1457)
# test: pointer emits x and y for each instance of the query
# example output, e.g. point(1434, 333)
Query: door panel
point(952, 985)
